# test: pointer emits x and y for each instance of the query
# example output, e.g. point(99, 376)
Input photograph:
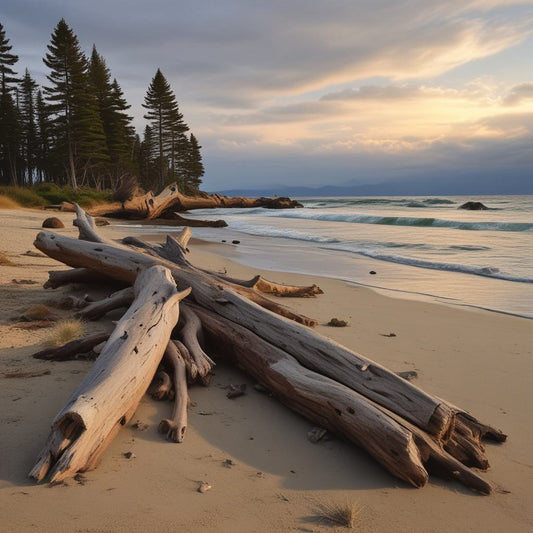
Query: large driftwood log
point(170, 199)
point(399, 446)
point(108, 396)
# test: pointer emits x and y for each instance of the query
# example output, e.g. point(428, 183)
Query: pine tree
point(7, 60)
point(115, 121)
point(194, 167)
point(78, 131)
point(166, 124)
point(28, 91)
point(9, 115)
point(44, 139)
point(120, 133)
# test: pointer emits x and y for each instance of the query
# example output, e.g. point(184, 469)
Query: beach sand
point(277, 479)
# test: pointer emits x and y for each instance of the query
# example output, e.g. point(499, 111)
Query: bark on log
point(108, 396)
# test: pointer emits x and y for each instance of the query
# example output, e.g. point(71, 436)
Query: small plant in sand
point(4, 259)
point(344, 514)
point(63, 332)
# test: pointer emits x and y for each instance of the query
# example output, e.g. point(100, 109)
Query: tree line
point(76, 130)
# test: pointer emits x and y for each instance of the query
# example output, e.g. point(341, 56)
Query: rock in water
point(53, 222)
point(473, 206)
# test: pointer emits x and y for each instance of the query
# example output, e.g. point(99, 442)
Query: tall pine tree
point(8, 77)
point(9, 115)
point(78, 131)
point(28, 94)
point(44, 139)
point(193, 167)
point(166, 123)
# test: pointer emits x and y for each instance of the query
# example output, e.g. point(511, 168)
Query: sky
point(308, 92)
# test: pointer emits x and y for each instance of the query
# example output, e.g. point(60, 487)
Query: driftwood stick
point(86, 226)
point(175, 427)
point(58, 278)
point(259, 283)
point(72, 348)
point(96, 310)
point(190, 363)
point(191, 329)
point(111, 391)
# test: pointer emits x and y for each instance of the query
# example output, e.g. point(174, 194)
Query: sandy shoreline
point(479, 360)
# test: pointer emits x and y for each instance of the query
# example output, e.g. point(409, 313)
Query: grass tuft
point(64, 331)
point(7, 203)
point(344, 514)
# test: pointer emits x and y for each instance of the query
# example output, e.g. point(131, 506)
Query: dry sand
point(479, 360)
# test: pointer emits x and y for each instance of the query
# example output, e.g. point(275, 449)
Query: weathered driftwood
point(175, 248)
point(398, 445)
point(310, 349)
point(58, 278)
point(72, 348)
point(190, 330)
point(173, 219)
point(117, 300)
point(175, 427)
point(108, 396)
point(410, 432)
point(150, 206)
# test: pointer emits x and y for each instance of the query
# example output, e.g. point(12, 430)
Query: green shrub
point(24, 196)
point(50, 193)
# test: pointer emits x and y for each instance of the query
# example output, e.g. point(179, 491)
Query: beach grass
point(64, 331)
point(49, 193)
point(8, 203)
point(344, 514)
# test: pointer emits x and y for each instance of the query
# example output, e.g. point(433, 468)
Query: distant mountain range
point(458, 185)
point(397, 188)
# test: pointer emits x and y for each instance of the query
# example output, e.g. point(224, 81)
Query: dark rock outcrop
point(473, 206)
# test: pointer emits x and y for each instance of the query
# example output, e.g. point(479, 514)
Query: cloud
point(518, 94)
point(305, 80)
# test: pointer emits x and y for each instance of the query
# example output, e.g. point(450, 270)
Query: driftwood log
point(170, 200)
point(410, 432)
point(108, 396)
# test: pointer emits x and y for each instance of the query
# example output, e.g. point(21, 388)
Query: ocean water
point(416, 246)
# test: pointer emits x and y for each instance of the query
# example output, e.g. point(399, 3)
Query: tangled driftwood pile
point(411, 433)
